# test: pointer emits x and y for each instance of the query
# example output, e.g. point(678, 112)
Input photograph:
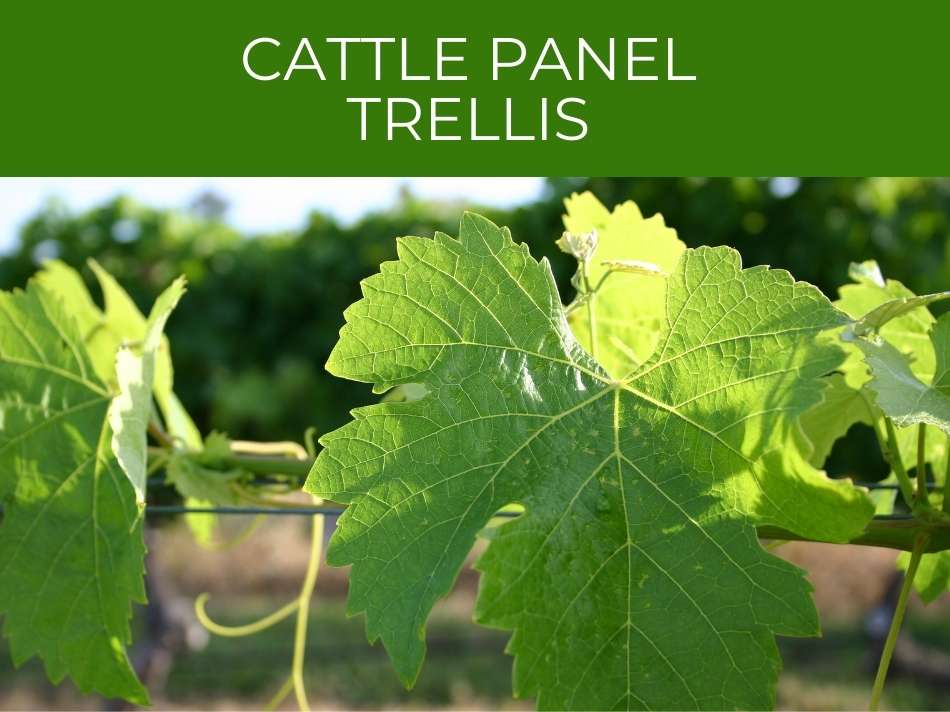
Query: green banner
point(494, 88)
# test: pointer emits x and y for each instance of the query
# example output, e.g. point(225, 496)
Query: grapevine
point(623, 453)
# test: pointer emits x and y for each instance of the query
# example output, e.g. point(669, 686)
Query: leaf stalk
point(893, 456)
point(261, 465)
point(922, 499)
point(591, 312)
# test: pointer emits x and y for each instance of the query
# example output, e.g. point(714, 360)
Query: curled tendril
point(238, 631)
point(300, 606)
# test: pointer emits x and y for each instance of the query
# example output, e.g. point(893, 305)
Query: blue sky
point(255, 204)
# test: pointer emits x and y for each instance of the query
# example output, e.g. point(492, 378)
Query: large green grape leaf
point(71, 549)
point(628, 307)
point(634, 578)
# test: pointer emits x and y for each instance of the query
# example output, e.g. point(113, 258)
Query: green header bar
point(805, 88)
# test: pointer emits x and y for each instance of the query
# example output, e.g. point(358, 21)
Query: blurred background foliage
point(263, 311)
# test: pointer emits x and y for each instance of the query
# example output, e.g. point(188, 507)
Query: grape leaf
point(202, 477)
point(201, 484)
point(909, 331)
point(629, 306)
point(825, 422)
point(629, 313)
point(71, 548)
point(903, 397)
point(933, 574)
point(893, 309)
point(867, 273)
point(131, 409)
point(847, 401)
point(634, 578)
point(204, 480)
point(64, 282)
point(940, 338)
point(124, 322)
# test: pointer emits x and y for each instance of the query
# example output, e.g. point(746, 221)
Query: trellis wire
point(301, 510)
point(336, 511)
point(888, 486)
point(296, 510)
point(309, 511)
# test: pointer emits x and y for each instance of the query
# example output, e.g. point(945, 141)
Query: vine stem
point(163, 438)
point(282, 447)
point(303, 611)
point(591, 314)
point(899, 534)
point(896, 622)
point(894, 533)
point(922, 465)
point(256, 464)
point(238, 631)
point(291, 466)
point(897, 464)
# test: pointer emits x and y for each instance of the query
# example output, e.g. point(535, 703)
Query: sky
point(255, 204)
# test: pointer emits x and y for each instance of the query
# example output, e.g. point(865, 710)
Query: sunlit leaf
point(634, 577)
point(132, 407)
point(71, 549)
point(630, 305)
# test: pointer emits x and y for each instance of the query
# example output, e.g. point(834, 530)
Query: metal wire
point(180, 509)
point(309, 511)
point(932, 486)
point(159, 509)
point(156, 509)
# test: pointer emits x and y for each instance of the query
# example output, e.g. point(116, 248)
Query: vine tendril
point(239, 631)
